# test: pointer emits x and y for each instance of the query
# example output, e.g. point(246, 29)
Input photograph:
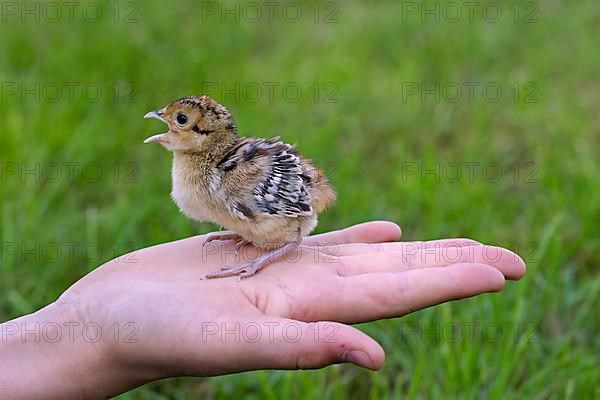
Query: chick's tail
point(321, 191)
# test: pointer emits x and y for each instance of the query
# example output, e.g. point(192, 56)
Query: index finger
point(368, 297)
point(367, 232)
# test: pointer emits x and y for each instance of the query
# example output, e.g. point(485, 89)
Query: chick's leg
point(251, 268)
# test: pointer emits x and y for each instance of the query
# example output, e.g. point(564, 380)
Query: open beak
point(156, 114)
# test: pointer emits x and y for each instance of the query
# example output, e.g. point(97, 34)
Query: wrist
point(51, 354)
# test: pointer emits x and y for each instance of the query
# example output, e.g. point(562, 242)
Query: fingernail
point(359, 358)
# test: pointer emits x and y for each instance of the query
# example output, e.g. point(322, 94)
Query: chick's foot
point(251, 268)
point(225, 237)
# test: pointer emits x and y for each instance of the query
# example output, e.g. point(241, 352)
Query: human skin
point(148, 315)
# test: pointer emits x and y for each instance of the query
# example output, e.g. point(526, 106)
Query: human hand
point(291, 315)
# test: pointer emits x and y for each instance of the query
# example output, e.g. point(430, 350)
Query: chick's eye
point(182, 119)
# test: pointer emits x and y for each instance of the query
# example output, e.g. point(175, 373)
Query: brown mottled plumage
point(261, 190)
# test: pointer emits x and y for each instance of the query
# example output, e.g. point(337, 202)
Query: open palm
point(165, 321)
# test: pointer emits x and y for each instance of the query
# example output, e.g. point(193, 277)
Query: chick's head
point(194, 122)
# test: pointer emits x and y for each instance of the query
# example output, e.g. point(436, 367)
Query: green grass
point(548, 345)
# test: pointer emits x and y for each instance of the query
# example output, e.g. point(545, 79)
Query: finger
point(350, 249)
point(194, 247)
point(368, 297)
point(368, 232)
point(279, 343)
point(507, 262)
point(301, 345)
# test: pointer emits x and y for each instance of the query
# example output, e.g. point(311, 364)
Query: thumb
point(300, 345)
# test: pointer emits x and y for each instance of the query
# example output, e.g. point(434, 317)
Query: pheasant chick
point(261, 190)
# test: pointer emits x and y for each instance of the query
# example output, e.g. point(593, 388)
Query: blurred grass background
point(354, 116)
